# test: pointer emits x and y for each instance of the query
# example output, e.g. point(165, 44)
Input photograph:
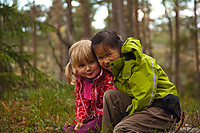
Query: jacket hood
point(132, 45)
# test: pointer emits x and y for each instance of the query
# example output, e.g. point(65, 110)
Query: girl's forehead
point(84, 60)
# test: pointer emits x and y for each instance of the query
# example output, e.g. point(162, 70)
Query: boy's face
point(106, 55)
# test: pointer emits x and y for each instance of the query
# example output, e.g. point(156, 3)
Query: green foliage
point(16, 71)
point(30, 101)
point(46, 109)
point(14, 24)
point(191, 108)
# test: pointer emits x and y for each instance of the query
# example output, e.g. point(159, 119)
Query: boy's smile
point(106, 55)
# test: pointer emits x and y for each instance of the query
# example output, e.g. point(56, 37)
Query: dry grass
point(48, 110)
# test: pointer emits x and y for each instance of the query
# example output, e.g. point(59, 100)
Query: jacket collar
point(131, 45)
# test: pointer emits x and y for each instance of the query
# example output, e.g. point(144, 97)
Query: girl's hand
point(78, 126)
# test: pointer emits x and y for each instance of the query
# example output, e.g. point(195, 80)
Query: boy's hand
point(78, 125)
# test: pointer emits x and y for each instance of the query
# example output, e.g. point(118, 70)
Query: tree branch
point(67, 43)
point(55, 57)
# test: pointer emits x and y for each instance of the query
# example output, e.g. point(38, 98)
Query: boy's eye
point(109, 54)
point(99, 58)
point(92, 61)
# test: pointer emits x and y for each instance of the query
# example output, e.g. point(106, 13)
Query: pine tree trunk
point(70, 26)
point(143, 27)
point(114, 17)
point(121, 19)
point(136, 27)
point(129, 17)
point(60, 45)
point(197, 86)
point(171, 54)
point(34, 36)
point(85, 4)
point(177, 48)
point(149, 45)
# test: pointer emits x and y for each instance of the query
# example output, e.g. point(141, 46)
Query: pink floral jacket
point(89, 109)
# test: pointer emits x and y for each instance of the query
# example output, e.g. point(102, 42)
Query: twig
point(181, 122)
point(5, 105)
point(194, 125)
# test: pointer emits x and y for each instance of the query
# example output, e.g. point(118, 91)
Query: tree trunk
point(34, 36)
point(171, 41)
point(143, 27)
point(70, 32)
point(129, 17)
point(149, 47)
point(114, 23)
point(197, 86)
point(70, 26)
point(60, 45)
point(177, 48)
point(85, 4)
point(108, 19)
point(136, 27)
point(121, 19)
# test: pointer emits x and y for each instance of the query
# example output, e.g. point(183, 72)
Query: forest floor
point(48, 110)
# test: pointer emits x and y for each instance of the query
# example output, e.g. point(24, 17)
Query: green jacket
point(139, 76)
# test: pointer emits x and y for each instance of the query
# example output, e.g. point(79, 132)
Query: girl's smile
point(106, 55)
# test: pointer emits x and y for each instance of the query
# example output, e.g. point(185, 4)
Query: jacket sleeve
point(81, 107)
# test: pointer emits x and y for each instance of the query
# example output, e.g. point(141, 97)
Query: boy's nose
point(106, 61)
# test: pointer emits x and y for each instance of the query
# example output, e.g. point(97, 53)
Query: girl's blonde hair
point(78, 52)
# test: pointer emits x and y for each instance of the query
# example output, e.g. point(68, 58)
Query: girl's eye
point(82, 65)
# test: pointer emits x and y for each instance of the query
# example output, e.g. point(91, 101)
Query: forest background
point(34, 44)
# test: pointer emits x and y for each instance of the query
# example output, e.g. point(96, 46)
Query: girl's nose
point(87, 67)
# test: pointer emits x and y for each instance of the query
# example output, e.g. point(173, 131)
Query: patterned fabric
point(86, 110)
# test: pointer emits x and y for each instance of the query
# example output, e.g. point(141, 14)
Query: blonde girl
point(91, 81)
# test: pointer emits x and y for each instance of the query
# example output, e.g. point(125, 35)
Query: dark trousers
point(115, 120)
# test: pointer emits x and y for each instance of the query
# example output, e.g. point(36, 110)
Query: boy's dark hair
point(107, 39)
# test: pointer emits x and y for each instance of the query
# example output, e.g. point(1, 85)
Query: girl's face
point(88, 69)
point(106, 55)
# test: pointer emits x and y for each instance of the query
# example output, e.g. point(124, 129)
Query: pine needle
point(4, 105)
